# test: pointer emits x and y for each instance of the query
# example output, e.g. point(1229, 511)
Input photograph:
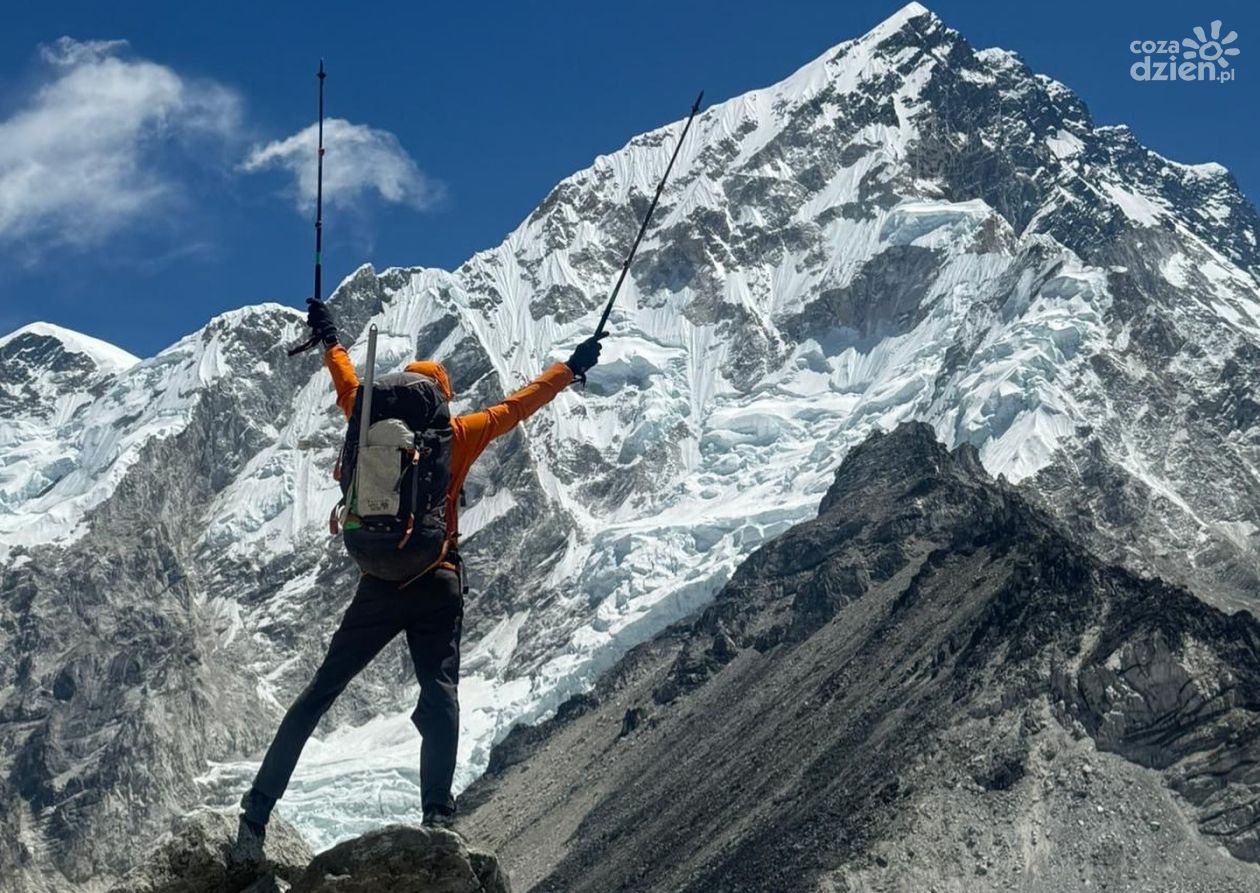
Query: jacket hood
point(435, 371)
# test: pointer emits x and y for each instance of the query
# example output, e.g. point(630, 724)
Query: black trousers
point(431, 613)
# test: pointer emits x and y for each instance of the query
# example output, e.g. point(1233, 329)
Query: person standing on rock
point(428, 606)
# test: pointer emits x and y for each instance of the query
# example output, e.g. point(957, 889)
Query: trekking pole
point(365, 415)
point(369, 380)
point(319, 214)
point(625, 267)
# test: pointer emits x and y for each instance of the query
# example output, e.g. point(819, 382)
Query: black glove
point(320, 319)
point(585, 356)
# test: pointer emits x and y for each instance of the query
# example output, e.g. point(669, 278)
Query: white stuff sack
point(379, 468)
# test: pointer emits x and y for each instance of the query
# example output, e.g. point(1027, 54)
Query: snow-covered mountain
point(905, 228)
point(49, 379)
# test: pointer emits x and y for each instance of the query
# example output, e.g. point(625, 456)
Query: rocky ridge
point(929, 682)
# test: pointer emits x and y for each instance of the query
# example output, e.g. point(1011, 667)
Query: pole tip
point(320, 73)
point(695, 108)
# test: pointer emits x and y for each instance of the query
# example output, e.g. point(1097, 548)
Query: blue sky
point(165, 186)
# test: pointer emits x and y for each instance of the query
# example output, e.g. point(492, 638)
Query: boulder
point(200, 854)
point(404, 859)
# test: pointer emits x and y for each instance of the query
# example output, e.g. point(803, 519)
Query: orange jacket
point(471, 433)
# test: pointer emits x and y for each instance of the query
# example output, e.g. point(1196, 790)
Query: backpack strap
point(441, 557)
point(415, 481)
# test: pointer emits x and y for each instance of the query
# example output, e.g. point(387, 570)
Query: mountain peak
point(912, 25)
point(103, 355)
point(910, 13)
point(898, 460)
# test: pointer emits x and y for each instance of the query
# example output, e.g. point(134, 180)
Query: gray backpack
point(395, 474)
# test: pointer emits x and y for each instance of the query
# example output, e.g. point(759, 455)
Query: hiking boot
point(439, 817)
point(251, 832)
point(250, 838)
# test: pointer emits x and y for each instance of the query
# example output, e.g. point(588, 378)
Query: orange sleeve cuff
point(559, 376)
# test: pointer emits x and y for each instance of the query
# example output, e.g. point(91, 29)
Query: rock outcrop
point(200, 854)
point(404, 859)
point(932, 681)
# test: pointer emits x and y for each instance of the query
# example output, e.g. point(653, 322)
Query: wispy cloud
point(358, 161)
point(106, 142)
point(87, 154)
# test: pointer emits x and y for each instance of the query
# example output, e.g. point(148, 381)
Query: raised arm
point(484, 426)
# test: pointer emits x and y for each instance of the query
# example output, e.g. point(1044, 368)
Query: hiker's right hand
point(585, 355)
point(320, 319)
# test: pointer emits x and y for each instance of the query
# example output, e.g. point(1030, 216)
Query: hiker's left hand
point(320, 319)
point(585, 355)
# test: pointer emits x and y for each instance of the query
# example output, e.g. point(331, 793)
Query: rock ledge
point(200, 855)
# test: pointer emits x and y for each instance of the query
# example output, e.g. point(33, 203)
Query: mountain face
point(929, 682)
point(49, 379)
point(904, 229)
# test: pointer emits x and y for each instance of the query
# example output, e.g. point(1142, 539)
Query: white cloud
point(358, 160)
point(86, 154)
point(68, 52)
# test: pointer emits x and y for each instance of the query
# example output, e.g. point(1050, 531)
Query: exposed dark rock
point(633, 719)
point(404, 859)
point(886, 298)
point(200, 854)
point(992, 666)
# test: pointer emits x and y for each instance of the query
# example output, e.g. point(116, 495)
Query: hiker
point(429, 607)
